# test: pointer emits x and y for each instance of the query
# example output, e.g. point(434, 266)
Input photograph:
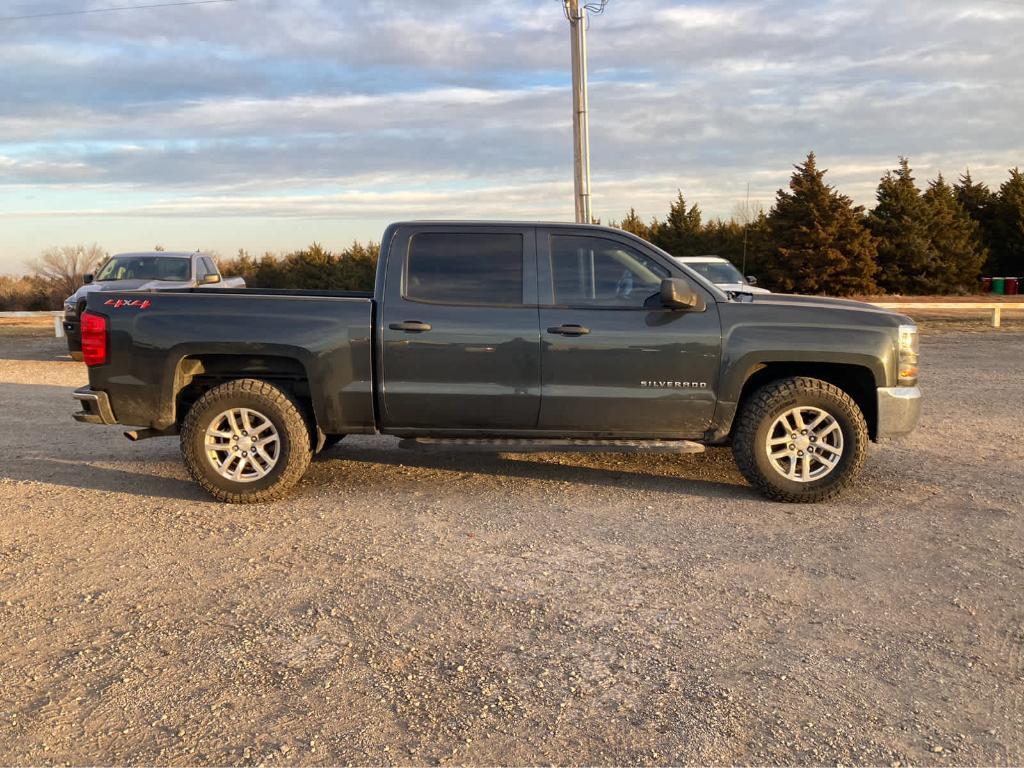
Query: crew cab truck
point(505, 337)
point(155, 270)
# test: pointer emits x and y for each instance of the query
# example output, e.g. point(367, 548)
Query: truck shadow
point(87, 457)
point(667, 475)
point(83, 475)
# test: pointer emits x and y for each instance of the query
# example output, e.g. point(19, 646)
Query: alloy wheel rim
point(804, 444)
point(242, 445)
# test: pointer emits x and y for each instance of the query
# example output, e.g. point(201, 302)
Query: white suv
point(722, 273)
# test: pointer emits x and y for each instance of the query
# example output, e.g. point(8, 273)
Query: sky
point(270, 124)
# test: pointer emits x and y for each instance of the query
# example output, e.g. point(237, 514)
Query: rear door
point(459, 330)
point(615, 361)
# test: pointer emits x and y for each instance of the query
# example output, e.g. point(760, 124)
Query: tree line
point(936, 240)
point(939, 240)
point(315, 267)
point(59, 271)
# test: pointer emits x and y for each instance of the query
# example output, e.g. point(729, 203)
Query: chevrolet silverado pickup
point(157, 270)
point(509, 337)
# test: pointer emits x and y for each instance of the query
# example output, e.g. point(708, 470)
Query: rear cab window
point(465, 268)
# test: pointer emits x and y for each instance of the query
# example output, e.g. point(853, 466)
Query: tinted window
point(145, 268)
point(600, 272)
point(465, 268)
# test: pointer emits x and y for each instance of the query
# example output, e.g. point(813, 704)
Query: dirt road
point(405, 608)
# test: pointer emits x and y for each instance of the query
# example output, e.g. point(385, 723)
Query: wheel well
point(856, 380)
point(197, 374)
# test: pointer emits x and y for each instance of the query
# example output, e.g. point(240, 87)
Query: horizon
point(266, 126)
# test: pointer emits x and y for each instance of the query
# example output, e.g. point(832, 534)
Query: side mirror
point(679, 294)
point(87, 278)
point(210, 278)
point(751, 280)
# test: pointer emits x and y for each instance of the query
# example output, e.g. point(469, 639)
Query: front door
point(615, 361)
point(461, 345)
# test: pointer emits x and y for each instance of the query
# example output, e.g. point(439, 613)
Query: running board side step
point(542, 445)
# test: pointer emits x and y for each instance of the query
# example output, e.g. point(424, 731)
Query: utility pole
point(576, 12)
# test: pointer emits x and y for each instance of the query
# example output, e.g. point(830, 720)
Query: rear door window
point(465, 268)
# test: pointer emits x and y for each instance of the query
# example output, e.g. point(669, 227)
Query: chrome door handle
point(411, 326)
point(569, 330)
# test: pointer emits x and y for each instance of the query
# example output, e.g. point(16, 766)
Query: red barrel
point(1011, 286)
point(986, 285)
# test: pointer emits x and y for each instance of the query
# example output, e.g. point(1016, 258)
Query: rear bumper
point(95, 406)
point(899, 409)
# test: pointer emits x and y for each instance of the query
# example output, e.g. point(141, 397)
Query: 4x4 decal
point(133, 303)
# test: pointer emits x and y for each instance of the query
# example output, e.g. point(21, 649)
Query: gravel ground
point(514, 609)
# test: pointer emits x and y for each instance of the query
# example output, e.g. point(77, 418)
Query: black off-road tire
point(769, 402)
point(277, 406)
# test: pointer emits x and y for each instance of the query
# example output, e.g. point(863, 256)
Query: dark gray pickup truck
point(504, 336)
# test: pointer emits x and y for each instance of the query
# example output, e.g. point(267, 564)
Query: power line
point(595, 7)
point(108, 10)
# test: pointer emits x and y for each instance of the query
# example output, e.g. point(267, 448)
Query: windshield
point(145, 268)
point(716, 271)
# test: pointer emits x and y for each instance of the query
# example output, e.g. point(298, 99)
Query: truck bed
point(159, 341)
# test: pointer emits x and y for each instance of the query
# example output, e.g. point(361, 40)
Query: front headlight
point(908, 356)
point(69, 306)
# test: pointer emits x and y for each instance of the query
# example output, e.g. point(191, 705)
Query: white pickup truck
point(147, 271)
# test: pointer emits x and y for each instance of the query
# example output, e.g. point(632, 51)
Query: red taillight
point(94, 338)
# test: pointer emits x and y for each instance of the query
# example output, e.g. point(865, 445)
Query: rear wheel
point(800, 440)
point(245, 441)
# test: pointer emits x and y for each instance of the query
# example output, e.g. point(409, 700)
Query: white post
point(58, 326)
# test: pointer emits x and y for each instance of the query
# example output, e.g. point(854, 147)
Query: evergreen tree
point(1008, 227)
point(680, 234)
point(955, 239)
point(975, 197)
point(358, 267)
point(760, 247)
point(633, 223)
point(269, 273)
point(979, 202)
point(906, 260)
point(723, 238)
point(819, 241)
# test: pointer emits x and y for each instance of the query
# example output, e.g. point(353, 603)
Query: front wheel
point(800, 440)
point(245, 442)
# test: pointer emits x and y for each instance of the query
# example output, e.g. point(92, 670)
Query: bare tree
point(746, 212)
point(63, 267)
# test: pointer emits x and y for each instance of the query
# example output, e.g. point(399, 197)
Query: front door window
point(595, 272)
